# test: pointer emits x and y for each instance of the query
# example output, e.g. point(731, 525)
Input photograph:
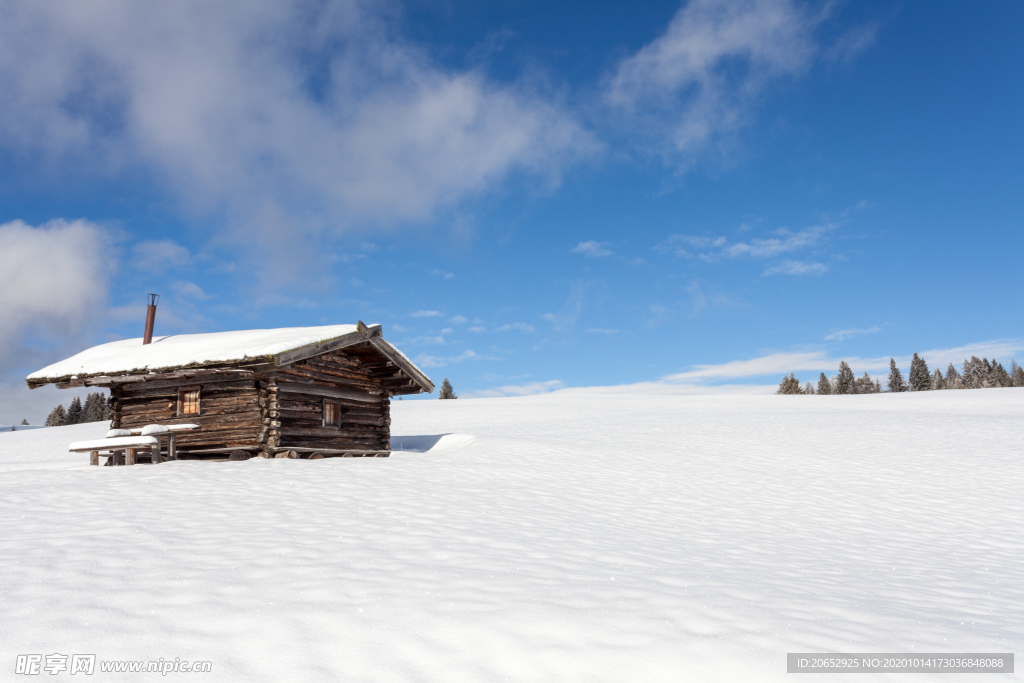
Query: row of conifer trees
point(976, 374)
point(95, 409)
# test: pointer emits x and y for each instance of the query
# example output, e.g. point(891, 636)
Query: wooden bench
point(123, 444)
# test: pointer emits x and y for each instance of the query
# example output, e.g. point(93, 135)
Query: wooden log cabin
point(293, 392)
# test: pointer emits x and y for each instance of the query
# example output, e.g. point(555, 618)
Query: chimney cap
point(153, 298)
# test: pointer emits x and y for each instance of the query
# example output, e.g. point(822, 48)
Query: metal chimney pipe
point(150, 319)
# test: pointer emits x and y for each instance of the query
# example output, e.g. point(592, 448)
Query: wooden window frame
point(199, 401)
point(337, 414)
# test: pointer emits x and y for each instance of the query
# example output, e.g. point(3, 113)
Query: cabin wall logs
point(248, 410)
point(298, 417)
point(229, 410)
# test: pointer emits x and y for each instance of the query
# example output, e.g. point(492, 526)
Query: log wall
point(230, 414)
point(365, 423)
point(271, 408)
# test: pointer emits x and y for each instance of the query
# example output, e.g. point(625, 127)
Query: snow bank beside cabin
point(559, 538)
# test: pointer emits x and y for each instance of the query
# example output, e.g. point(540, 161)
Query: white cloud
point(189, 290)
point(399, 328)
point(458, 320)
point(288, 115)
point(529, 389)
point(601, 330)
point(428, 361)
point(477, 328)
point(522, 327)
point(701, 77)
point(53, 278)
point(818, 360)
point(159, 255)
point(846, 334)
point(715, 248)
point(425, 340)
point(447, 330)
point(790, 267)
point(591, 249)
point(443, 275)
point(427, 314)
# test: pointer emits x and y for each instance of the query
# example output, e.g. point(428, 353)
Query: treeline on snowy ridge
point(976, 374)
point(96, 409)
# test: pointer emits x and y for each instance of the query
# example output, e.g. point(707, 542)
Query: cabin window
point(188, 401)
point(332, 414)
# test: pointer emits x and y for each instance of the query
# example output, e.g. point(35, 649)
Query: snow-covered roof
point(131, 356)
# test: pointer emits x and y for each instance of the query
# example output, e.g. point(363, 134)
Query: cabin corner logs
point(274, 411)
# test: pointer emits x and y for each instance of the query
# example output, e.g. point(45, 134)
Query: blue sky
point(526, 195)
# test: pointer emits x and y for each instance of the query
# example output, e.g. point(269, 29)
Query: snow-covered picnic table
point(122, 444)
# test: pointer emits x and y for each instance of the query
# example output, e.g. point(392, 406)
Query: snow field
point(572, 536)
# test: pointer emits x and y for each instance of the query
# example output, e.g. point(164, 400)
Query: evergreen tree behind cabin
point(74, 414)
point(920, 378)
point(789, 385)
point(1000, 376)
point(824, 386)
point(1016, 374)
point(24, 422)
point(866, 385)
point(845, 380)
point(57, 417)
point(446, 390)
point(808, 388)
point(895, 383)
point(938, 381)
point(953, 379)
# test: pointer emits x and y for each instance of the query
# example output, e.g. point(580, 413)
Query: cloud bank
point(291, 116)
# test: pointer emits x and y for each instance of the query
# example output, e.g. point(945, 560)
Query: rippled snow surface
point(567, 537)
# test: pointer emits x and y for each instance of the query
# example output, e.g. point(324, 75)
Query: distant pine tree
point(1017, 374)
point(864, 385)
point(74, 413)
point(95, 409)
point(57, 417)
point(953, 380)
point(789, 385)
point(938, 381)
point(824, 386)
point(845, 379)
point(1000, 376)
point(24, 422)
point(809, 389)
point(446, 390)
point(920, 379)
point(895, 383)
point(974, 374)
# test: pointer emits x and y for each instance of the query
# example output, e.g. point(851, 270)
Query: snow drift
point(558, 537)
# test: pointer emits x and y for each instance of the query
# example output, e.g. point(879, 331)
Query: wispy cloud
point(53, 277)
point(700, 78)
point(716, 248)
point(818, 360)
point(522, 327)
point(427, 314)
point(458, 320)
point(530, 389)
point(591, 249)
point(846, 334)
point(428, 361)
point(159, 255)
point(194, 94)
point(443, 275)
point(797, 268)
point(601, 330)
